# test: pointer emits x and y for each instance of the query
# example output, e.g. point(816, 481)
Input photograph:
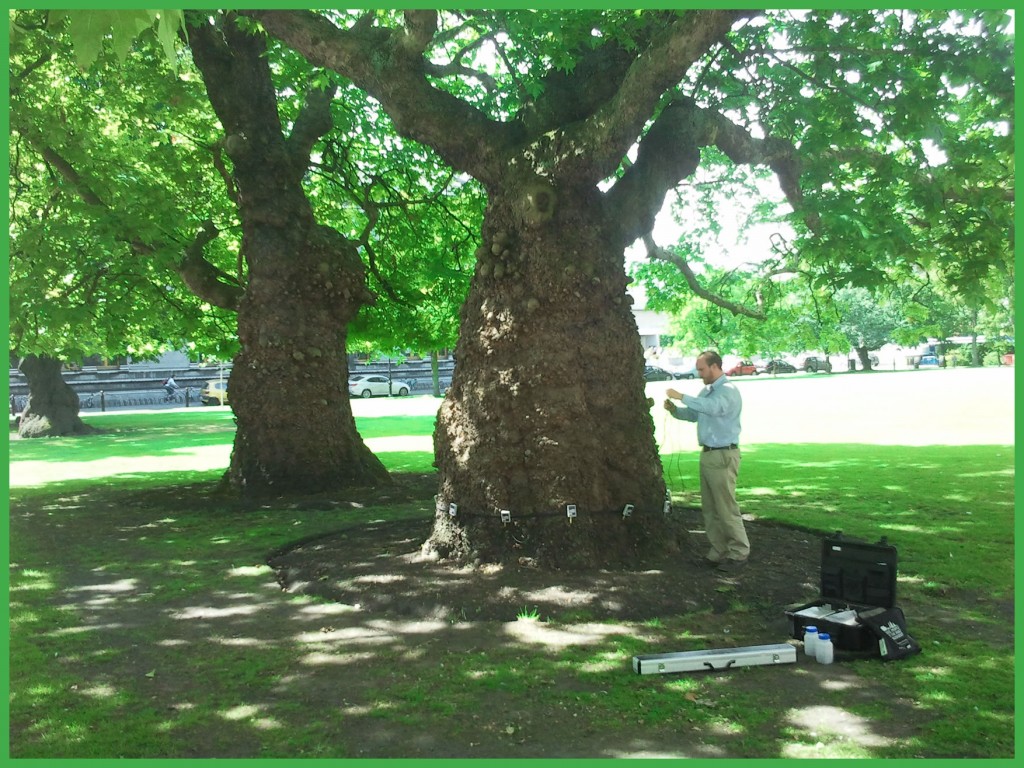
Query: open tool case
point(855, 576)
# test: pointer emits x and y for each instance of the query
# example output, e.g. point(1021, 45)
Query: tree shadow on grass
point(149, 623)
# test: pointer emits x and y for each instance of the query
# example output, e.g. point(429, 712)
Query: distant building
point(651, 325)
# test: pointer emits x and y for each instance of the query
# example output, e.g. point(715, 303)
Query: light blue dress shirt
point(717, 413)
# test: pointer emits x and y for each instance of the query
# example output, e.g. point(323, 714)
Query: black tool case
point(855, 576)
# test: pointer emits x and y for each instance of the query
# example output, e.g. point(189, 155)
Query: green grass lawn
point(820, 453)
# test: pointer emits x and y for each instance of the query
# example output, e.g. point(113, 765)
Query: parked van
point(215, 392)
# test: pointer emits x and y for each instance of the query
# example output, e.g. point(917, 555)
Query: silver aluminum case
point(715, 659)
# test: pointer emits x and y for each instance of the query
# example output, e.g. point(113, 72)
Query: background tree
point(867, 322)
point(932, 310)
point(206, 263)
point(90, 252)
point(140, 211)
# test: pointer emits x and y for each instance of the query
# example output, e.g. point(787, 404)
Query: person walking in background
point(717, 413)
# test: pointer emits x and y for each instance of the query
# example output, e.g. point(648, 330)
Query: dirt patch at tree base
point(359, 674)
point(380, 568)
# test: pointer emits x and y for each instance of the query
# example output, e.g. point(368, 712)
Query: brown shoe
point(731, 566)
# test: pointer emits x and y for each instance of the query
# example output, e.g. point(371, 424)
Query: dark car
point(778, 366)
point(815, 364)
point(654, 373)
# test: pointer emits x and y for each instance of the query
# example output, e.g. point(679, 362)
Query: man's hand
point(672, 393)
point(670, 406)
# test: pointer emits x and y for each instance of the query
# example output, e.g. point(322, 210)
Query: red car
point(745, 368)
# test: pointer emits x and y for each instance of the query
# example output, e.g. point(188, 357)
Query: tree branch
point(218, 163)
point(420, 28)
point(313, 122)
point(69, 174)
point(655, 252)
point(608, 134)
point(203, 279)
point(29, 69)
point(568, 97)
point(670, 152)
point(198, 274)
point(454, 69)
point(377, 60)
point(372, 210)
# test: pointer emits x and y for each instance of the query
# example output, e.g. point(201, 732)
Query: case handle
point(712, 667)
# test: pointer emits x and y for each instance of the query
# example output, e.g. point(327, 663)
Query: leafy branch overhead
point(99, 183)
point(888, 131)
point(171, 204)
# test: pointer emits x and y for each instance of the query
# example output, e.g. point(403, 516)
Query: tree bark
point(547, 404)
point(435, 378)
point(52, 409)
point(865, 357)
point(289, 384)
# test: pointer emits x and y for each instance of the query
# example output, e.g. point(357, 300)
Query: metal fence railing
point(101, 401)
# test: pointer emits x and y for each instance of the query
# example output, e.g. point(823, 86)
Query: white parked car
point(375, 384)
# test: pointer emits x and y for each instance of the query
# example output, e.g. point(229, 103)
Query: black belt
point(720, 447)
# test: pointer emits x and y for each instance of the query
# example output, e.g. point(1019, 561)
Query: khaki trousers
point(722, 520)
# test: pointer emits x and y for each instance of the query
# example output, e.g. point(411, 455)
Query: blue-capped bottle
point(823, 650)
point(810, 641)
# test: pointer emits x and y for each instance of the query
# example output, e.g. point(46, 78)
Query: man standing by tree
point(717, 413)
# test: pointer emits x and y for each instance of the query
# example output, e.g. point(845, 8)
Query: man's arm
point(721, 403)
point(683, 414)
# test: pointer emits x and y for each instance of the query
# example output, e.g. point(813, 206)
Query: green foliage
point(903, 121)
point(110, 179)
point(866, 322)
point(798, 316)
point(89, 30)
point(903, 125)
point(415, 221)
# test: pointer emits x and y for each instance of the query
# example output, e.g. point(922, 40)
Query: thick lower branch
point(313, 122)
point(608, 134)
point(202, 278)
point(670, 152)
point(205, 280)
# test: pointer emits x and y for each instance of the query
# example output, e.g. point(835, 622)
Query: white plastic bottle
point(823, 650)
point(810, 641)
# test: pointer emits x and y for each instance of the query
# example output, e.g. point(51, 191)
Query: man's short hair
point(711, 358)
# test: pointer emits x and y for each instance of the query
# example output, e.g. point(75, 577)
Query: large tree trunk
point(289, 384)
point(52, 408)
point(547, 405)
